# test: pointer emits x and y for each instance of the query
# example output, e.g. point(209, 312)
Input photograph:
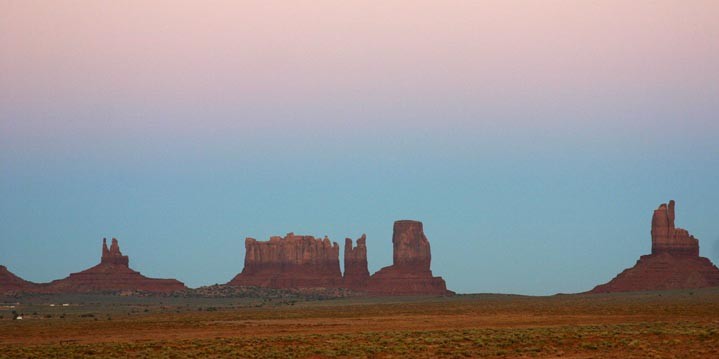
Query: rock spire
point(673, 264)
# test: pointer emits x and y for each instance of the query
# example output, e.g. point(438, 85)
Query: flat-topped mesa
point(410, 274)
point(293, 261)
point(674, 263)
point(666, 238)
point(112, 274)
point(356, 273)
point(113, 254)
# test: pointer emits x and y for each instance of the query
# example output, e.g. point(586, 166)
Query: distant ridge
point(10, 283)
point(112, 274)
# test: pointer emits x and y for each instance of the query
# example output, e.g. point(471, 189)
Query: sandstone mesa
point(293, 261)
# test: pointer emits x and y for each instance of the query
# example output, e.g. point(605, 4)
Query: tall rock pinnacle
point(410, 273)
point(113, 255)
point(667, 238)
point(356, 273)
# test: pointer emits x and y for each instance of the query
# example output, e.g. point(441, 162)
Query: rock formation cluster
point(300, 262)
point(293, 261)
point(673, 264)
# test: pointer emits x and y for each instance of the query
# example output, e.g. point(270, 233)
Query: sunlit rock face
point(673, 264)
point(293, 261)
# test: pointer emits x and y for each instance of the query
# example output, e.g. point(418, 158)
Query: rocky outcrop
point(356, 273)
point(113, 274)
point(666, 238)
point(410, 272)
point(673, 264)
point(10, 283)
point(291, 262)
point(113, 254)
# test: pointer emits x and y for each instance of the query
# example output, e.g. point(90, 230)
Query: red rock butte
point(290, 262)
point(673, 264)
point(410, 272)
point(112, 274)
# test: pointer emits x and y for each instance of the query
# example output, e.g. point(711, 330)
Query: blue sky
point(532, 141)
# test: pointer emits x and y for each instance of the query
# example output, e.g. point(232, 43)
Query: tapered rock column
point(356, 273)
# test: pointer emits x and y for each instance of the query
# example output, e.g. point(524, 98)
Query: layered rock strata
point(410, 272)
point(290, 262)
point(673, 264)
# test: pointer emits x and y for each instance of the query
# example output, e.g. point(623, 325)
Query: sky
point(532, 138)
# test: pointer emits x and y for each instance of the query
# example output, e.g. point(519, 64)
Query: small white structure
point(19, 317)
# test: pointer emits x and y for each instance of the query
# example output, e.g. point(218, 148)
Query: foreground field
point(666, 324)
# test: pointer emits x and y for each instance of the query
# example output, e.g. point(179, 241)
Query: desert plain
point(680, 323)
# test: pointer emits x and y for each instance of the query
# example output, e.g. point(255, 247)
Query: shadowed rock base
point(396, 281)
point(662, 272)
point(674, 263)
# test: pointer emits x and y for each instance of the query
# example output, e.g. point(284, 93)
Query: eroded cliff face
point(356, 273)
point(113, 274)
point(673, 264)
point(293, 261)
point(666, 238)
point(410, 274)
